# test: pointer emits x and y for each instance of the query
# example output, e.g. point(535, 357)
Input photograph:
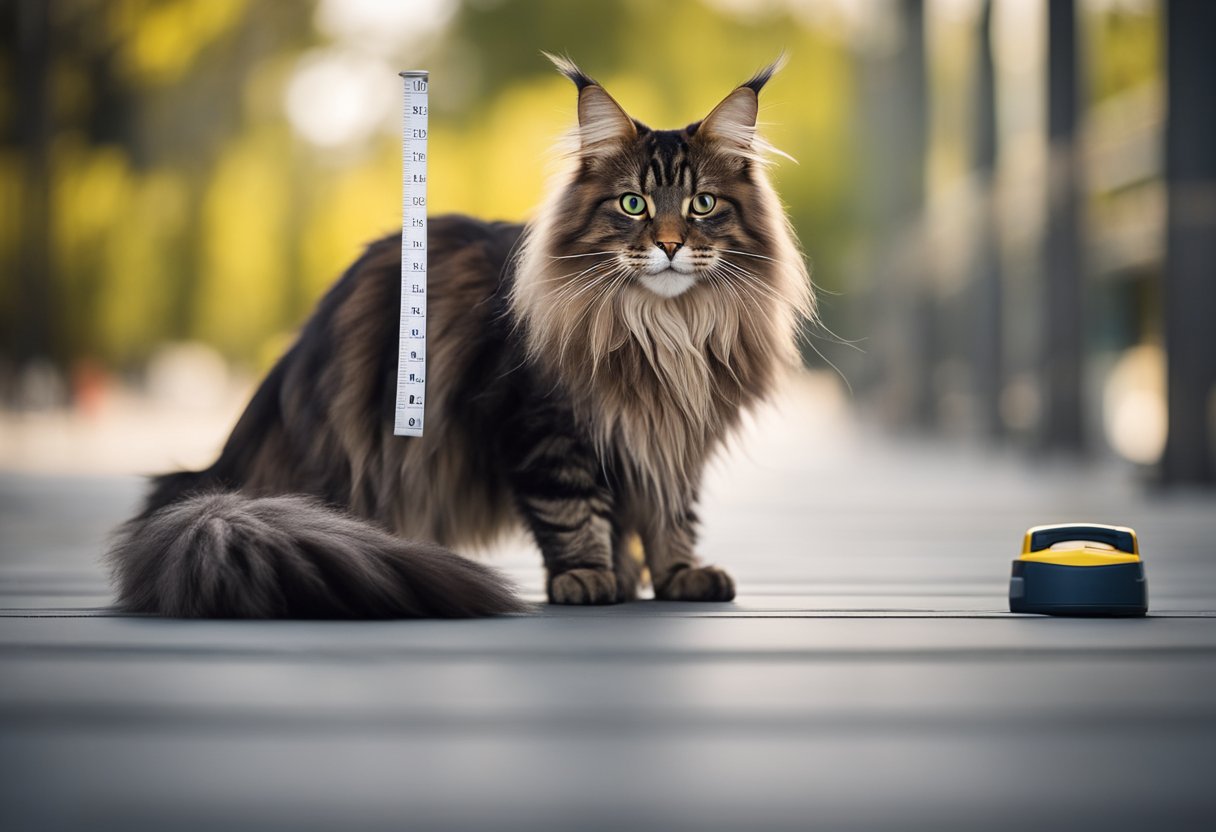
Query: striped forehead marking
point(666, 163)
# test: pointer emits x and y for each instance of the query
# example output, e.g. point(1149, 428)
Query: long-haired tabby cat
point(582, 370)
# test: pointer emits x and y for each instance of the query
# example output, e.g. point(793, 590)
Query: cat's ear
point(733, 121)
point(602, 124)
point(601, 121)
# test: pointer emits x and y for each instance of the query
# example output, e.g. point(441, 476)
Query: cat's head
point(661, 225)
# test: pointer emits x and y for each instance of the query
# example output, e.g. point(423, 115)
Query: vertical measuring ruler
point(411, 359)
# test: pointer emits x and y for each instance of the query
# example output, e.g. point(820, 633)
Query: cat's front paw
point(702, 583)
point(583, 586)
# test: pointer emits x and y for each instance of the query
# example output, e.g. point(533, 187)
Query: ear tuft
point(570, 69)
point(733, 121)
point(763, 75)
point(602, 123)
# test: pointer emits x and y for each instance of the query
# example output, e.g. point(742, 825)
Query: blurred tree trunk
point(31, 335)
point(1064, 270)
point(1190, 273)
point(987, 363)
point(895, 129)
point(913, 140)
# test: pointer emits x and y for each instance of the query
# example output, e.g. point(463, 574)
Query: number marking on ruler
point(411, 358)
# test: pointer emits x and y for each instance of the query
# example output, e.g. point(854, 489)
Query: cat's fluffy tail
point(232, 556)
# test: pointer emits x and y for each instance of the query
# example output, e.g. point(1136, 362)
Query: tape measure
point(411, 341)
point(1079, 569)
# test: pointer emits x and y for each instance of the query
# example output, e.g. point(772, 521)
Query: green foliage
point(1123, 51)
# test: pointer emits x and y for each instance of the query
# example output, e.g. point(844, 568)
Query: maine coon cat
point(582, 370)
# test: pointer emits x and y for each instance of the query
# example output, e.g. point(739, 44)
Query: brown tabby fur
point(570, 385)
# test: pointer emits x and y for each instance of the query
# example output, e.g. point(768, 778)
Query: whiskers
point(573, 256)
point(730, 276)
point(576, 284)
point(581, 295)
point(748, 254)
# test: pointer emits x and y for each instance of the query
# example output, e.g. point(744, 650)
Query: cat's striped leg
point(674, 567)
point(559, 491)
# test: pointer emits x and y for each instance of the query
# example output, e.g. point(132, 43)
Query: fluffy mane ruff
point(661, 382)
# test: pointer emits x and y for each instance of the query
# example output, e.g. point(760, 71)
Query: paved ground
point(868, 677)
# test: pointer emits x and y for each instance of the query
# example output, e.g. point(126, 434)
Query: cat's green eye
point(703, 203)
point(633, 205)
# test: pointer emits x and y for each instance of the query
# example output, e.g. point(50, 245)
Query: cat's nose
point(670, 247)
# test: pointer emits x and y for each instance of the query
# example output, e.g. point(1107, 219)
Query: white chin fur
point(668, 283)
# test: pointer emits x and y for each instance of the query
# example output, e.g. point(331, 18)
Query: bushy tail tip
point(232, 556)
